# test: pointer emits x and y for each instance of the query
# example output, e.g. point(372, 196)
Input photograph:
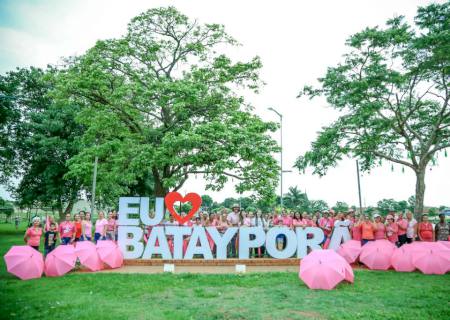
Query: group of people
point(69, 231)
point(394, 227)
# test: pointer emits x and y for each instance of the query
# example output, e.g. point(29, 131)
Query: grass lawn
point(375, 295)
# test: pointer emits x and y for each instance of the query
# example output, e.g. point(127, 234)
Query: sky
point(296, 40)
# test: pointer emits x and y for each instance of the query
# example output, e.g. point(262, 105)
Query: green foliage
point(386, 205)
point(207, 201)
point(162, 101)
point(392, 92)
point(433, 211)
point(341, 207)
point(41, 139)
point(369, 210)
point(318, 205)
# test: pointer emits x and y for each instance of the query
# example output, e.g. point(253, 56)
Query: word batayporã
point(130, 236)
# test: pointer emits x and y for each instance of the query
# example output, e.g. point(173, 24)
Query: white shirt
point(410, 229)
point(339, 223)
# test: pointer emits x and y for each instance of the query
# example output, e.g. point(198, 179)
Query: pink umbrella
point(88, 256)
point(60, 261)
point(377, 254)
point(110, 253)
point(24, 262)
point(401, 259)
point(324, 269)
point(445, 243)
point(431, 258)
point(350, 250)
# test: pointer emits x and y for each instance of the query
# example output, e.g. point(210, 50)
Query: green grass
point(375, 295)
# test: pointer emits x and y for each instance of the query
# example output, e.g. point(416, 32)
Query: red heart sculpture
point(173, 197)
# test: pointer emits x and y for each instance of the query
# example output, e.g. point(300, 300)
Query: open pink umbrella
point(324, 269)
point(401, 259)
point(88, 256)
point(24, 262)
point(350, 250)
point(377, 254)
point(431, 258)
point(445, 243)
point(60, 261)
point(110, 253)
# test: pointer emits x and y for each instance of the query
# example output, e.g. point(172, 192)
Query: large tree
point(162, 101)
point(392, 90)
point(41, 136)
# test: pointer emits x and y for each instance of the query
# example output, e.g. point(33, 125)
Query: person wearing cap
point(411, 229)
point(391, 229)
point(233, 221)
point(380, 233)
point(425, 229)
point(402, 228)
point(33, 234)
point(442, 229)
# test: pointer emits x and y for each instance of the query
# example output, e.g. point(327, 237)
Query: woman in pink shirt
point(100, 227)
point(48, 221)
point(380, 233)
point(86, 234)
point(111, 227)
point(402, 226)
point(66, 230)
point(222, 225)
point(33, 234)
point(356, 230)
point(391, 229)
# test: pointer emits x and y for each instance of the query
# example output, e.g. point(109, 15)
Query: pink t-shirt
point(326, 223)
point(247, 222)
point(356, 233)
point(392, 232)
point(66, 229)
point(34, 236)
point(100, 224)
point(402, 223)
point(111, 224)
point(381, 231)
point(87, 228)
point(299, 222)
point(287, 221)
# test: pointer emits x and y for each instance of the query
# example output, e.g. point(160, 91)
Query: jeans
point(83, 238)
point(364, 241)
point(402, 239)
point(232, 246)
point(98, 236)
point(65, 240)
point(48, 249)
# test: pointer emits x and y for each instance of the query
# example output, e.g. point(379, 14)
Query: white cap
point(376, 215)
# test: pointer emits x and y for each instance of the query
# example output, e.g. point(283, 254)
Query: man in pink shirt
point(66, 230)
point(402, 227)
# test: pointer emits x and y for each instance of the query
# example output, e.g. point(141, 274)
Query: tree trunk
point(60, 211)
point(160, 191)
point(420, 193)
point(69, 207)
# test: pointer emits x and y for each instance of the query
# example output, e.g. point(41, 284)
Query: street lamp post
point(94, 183)
point(281, 155)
